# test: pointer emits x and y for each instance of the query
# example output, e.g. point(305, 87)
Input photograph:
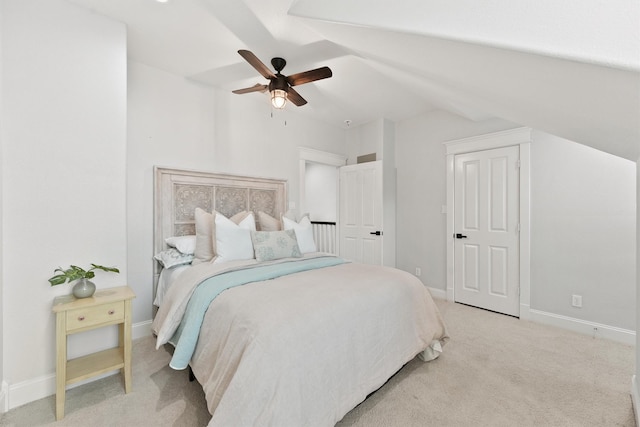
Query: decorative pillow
point(269, 245)
point(172, 258)
point(185, 244)
point(304, 233)
point(205, 249)
point(233, 241)
point(268, 223)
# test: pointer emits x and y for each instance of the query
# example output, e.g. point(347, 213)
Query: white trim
point(525, 310)
point(31, 390)
point(635, 399)
point(521, 137)
point(525, 227)
point(488, 141)
point(40, 387)
point(324, 157)
point(596, 330)
point(437, 293)
point(4, 397)
point(141, 329)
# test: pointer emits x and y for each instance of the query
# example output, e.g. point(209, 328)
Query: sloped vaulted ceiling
point(570, 68)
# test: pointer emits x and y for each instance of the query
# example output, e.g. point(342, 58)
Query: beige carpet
point(495, 371)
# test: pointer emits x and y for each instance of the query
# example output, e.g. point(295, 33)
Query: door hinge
point(518, 164)
point(518, 228)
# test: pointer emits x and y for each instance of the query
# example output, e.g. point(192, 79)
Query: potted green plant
point(84, 288)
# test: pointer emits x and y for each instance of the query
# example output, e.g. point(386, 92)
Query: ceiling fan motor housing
point(280, 82)
point(278, 63)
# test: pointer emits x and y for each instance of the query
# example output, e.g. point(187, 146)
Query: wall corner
point(635, 399)
point(4, 397)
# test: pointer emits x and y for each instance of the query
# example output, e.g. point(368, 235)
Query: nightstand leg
point(61, 363)
point(125, 343)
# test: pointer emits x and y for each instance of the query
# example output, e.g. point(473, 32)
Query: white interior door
point(361, 234)
point(486, 233)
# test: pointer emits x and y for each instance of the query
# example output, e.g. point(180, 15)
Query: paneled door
point(486, 233)
point(361, 234)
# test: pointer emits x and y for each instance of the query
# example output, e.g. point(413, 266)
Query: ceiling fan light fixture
point(278, 98)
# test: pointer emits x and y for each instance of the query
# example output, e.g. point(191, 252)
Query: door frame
point(521, 137)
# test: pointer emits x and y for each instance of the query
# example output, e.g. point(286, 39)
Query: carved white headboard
point(178, 192)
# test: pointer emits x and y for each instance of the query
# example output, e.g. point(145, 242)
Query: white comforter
point(304, 349)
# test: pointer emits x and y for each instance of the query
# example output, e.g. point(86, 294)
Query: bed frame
point(178, 192)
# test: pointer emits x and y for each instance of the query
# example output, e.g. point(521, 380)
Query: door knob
point(460, 236)
point(377, 233)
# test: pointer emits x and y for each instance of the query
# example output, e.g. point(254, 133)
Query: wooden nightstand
point(107, 307)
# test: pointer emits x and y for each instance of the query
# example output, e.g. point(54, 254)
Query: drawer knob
point(81, 318)
point(111, 311)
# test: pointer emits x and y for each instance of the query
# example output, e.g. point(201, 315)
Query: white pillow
point(304, 233)
point(172, 258)
point(205, 249)
point(185, 244)
point(233, 241)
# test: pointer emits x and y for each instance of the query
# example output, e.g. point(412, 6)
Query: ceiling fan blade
point(257, 64)
point(256, 88)
point(295, 97)
point(309, 76)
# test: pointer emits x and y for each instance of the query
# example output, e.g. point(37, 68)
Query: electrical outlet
point(576, 301)
point(418, 271)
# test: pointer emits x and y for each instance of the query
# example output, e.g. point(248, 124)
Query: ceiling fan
point(280, 86)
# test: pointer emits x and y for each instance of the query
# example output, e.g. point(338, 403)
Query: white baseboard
point(635, 399)
point(437, 293)
point(596, 330)
point(12, 396)
point(141, 329)
point(525, 312)
point(4, 397)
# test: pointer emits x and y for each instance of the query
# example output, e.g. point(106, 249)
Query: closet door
point(486, 230)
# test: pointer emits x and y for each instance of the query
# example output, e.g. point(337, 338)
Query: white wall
point(170, 122)
point(582, 210)
point(421, 193)
point(63, 174)
point(583, 214)
point(249, 141)
point(3, 384)
point(365, 139)
point(173, 122)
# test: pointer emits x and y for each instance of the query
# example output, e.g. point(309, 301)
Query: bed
point(290, 336)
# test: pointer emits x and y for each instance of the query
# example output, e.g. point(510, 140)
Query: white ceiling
point(570, 67)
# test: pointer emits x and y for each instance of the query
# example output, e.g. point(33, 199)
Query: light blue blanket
point(186, 336)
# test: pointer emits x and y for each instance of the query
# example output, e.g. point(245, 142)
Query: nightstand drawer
point(86, 317)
